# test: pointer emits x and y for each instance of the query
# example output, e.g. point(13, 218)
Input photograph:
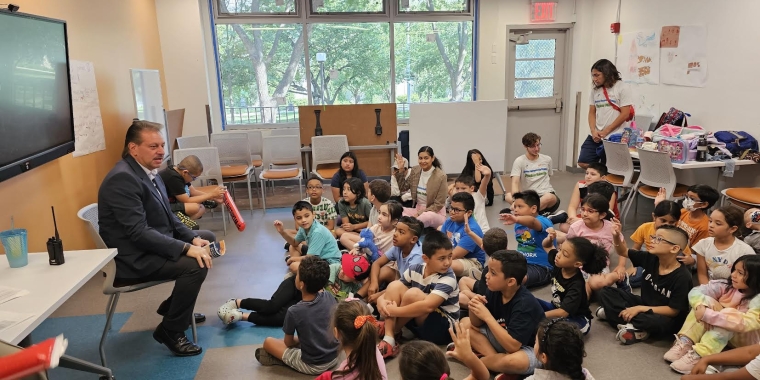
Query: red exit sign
point(543, 12)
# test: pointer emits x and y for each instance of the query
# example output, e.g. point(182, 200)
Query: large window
point(273, 56)
point(534, 69)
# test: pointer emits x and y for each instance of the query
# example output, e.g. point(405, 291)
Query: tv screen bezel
point(27, 163)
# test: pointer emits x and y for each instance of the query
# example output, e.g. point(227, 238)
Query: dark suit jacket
point(135, 219)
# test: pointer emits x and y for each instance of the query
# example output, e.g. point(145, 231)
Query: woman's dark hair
point(357, 187)
point(562, 343)
point(734, 217)
point(599, 203)
point(395, 210)
point(469, 166)
point(665, 208)
point(429, 151)
point(608, 69)
point(594, 257)
point(422, 360)
point(361, 340)
point(751, 275)
point(342, 173)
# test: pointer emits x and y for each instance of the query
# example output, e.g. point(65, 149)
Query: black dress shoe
point(199, 318)
point(177, 343)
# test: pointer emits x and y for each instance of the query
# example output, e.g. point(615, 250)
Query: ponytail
point(357, 330)
point(594, 257)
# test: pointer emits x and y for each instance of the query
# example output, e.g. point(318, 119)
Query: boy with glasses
point(468, 258)
point(663, 305)
point(531, 171)
point(183, 196)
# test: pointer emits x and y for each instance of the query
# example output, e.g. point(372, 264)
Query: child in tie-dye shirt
point(723, 312)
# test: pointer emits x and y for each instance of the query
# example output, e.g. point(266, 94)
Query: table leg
point(71, 362)
point(501, 183)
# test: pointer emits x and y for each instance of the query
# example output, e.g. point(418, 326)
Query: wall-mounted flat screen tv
point(36, 121)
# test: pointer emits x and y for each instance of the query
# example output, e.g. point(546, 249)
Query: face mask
point(688, 204)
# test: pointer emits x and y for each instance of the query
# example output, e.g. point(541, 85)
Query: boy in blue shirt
point(425, 299)
point(315, 349)
point(406, 252)
point(530, 232)
point(317, 239)
point(469, 258)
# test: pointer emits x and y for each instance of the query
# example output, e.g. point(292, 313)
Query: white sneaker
point(600, 314)
point(681, 346)
point(231, 316)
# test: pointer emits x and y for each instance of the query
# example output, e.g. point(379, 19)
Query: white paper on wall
point(88, 125)
point(640, 53)
point(686, 64)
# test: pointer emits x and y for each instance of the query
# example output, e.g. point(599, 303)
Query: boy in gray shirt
point(311, 319)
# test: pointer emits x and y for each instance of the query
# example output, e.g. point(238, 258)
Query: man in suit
point(135, 217)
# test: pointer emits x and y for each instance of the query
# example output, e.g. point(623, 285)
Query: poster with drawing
point(684, 55)
point(88, 125)
point(641, 55)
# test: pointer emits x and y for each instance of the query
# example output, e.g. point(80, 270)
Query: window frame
point(304, 16)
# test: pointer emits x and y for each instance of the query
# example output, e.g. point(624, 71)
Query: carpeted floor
point(253, 267)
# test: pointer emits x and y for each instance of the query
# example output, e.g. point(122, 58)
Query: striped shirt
point(443, 285)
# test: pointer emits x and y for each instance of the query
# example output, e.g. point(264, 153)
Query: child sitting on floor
point(663, 304)
point(560, 349)
point(356, 330)
point(312, 238)
point(322, 208)
point(406, 251)
point(315, 349)
point(717, 253)
point(354, 208)
point(468, 257)
point(425, 299)
point(494, 240)
point(421, 360)
point(530, 232)
point(569, 296)
point(723, 312)
point(378, 193)
point(390, 212)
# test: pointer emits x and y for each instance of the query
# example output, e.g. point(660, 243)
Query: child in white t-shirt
point(531, 171)
point(717, 253)
point(752, 223)
point(466, 183)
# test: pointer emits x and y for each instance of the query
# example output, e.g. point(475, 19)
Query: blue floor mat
point(136, 355)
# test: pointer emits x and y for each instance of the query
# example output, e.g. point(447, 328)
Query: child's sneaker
point(681, 346)
point(685, 364)
point(380, 325)
point(229, 305)
point(625, 284)
point(600, 313)
point(627, 334)
point(388, 351)
point(266, 358)
point(559, 217)
point(231, 316)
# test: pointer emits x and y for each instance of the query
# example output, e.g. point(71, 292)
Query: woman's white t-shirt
point(422, 188)
point(719, 262)
point(620, 94)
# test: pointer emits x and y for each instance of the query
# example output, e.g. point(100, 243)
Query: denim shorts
point(538, 275)
point(589, 151)
point(528, 350)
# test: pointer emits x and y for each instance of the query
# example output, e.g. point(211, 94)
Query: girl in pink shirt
point(723, 312)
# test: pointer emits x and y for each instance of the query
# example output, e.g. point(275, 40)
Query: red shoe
point(388, 351)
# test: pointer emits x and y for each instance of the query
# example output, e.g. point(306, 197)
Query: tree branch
point(273, 50)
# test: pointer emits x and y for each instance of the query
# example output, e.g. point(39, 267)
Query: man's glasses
point(455, 210)
point(657, 240)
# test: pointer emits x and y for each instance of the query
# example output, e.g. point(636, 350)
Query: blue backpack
point(736, 141)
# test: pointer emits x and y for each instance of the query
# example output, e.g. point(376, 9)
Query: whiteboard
point(149, 101)
point(88, 124)
point(452, 129)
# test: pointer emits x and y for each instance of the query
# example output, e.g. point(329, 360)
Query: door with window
point(534, 89)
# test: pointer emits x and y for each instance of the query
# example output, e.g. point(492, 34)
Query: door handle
point(558, 105)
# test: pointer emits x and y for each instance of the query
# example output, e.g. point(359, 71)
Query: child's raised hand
point(278, 226)
point(461, 339)
point(660, 196)
point(467, 225)
point(616, 228)
point(400, 162)
point(484, 170)
point(508, 219)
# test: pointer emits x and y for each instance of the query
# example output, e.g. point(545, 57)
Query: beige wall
point(179, 26)
point(115, 35)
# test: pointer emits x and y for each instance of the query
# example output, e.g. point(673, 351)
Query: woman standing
point(427, 183)
point(610, 106)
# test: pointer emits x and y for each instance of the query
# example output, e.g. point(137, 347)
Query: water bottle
point(702, 149)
